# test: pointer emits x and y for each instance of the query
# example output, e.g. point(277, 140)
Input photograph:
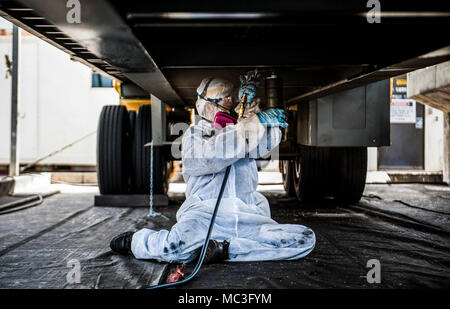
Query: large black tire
point(141, 157)
point(311, 173)
point(349, 173)
point(113, 150)
point(132, 116)
point(286, 168)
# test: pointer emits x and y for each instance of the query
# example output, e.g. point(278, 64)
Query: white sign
point(403, 111)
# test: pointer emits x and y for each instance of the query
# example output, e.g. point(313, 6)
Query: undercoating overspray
point(151, 212)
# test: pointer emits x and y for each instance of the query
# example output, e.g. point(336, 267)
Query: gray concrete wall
point(434, 135)
point(431, 86)
point(446, 154)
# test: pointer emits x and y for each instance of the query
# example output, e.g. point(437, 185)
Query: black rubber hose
point(31, 201)
point(205, 245)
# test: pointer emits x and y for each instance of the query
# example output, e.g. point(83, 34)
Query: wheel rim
point(285, 165)
point(297, 168)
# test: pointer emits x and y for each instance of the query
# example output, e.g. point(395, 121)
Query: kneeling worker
point(243, 230)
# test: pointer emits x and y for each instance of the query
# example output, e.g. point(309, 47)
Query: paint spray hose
point(205, 245)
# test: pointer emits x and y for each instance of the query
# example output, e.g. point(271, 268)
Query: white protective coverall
point(243, 217)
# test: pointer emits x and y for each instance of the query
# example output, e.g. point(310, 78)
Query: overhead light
point(201, 16)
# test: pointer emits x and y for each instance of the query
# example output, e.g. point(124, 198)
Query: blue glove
point(273, 117)
point(248, 88)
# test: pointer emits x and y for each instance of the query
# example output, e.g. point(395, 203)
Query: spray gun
point(251, 76)
point(273, 85)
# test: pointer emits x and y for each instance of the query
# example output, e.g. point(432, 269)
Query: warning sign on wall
point(403, 111)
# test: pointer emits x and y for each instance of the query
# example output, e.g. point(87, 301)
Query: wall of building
point(434, 129)
point(372, 158)
point(57, 104)
point(434, 143)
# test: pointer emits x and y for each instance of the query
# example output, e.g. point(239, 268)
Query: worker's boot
point(216, 251)
point(122, 243)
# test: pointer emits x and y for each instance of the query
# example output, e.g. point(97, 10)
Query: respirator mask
point(215, 102)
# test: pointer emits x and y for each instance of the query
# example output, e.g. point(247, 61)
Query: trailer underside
point(317, 47)
point(334, 65)
point(330, 61)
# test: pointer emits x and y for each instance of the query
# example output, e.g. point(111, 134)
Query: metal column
point(446, 154)
point(158, 121)
point(14, 151)
point(159, 128)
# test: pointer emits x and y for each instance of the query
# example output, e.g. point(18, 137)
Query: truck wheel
point(312, 173)
point(132, 116)
point(286, 168)
point(141, 157)
point(349, 171)
point(113, 150)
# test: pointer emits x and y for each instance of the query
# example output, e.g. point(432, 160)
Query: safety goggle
point(227, 101)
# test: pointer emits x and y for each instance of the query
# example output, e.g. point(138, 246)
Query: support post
point(446, 154)
point(14, 151)
point(158, 121)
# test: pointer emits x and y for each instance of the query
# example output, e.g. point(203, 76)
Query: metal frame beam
point(375, 74)
point(103, 34)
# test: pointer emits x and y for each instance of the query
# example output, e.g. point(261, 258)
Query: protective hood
point(211, 94)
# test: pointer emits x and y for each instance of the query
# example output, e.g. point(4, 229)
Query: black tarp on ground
point(405, 227)
point(36, 245)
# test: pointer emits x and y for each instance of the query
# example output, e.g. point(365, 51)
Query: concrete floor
point(405, 227)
